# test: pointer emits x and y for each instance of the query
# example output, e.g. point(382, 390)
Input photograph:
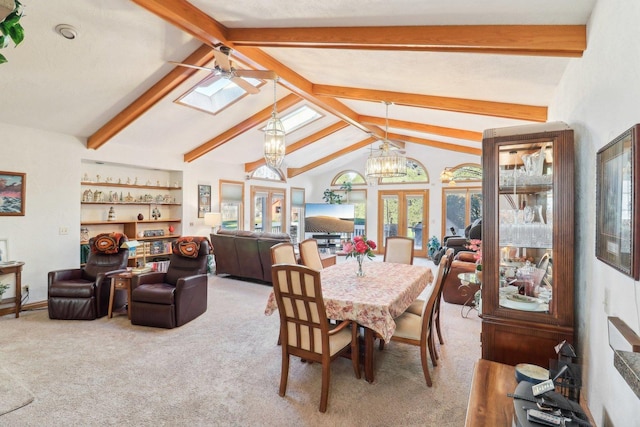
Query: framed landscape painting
point(12, 192)
point(617, 228)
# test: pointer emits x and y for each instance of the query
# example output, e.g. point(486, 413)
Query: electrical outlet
point(63, 230)
point(26, 288)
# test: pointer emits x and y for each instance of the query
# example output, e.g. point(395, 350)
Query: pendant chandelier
point(386, 162)
point(274, 143)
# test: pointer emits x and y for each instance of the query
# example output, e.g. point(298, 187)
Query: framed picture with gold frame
point(617, 230)
point(204, 200)
point(13, 186)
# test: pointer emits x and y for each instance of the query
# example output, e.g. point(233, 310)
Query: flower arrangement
point(358, 248)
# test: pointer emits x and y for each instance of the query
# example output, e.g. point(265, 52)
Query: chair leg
point(438, 321)
point(432, 349)
point(324, 395)
point(285, 372)
point(425, 362)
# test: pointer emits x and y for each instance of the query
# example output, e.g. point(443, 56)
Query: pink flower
point(361, 246)
point(371, 244)
point(347, 247)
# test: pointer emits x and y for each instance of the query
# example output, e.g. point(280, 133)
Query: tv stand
point(327, 242)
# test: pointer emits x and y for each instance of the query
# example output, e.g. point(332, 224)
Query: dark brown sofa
point(463, 262)
point(245, 254)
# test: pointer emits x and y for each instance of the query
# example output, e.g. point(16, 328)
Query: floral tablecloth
point(373, 301)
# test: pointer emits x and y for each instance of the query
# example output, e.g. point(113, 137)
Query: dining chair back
point(304, 329)
point(399, 250)
point(436, 308)
point(310, 255)
point(283, 253)
point(415, 329)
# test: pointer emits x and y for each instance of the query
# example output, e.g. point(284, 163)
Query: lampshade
point(274, 137)
point(447, 176)
point(386, 163)
point(214, 219)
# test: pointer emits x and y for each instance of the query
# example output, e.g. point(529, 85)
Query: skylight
point(214, 93)
point(298, 118)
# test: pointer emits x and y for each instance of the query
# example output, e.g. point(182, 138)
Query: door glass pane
point(456, 211)
point(475, 211)
point(390, 215)
point(360, 218)
point(297, 213)
point(277, 210)
point(415, 214)
point(259, 204)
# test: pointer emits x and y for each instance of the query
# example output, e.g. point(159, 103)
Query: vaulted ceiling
point(450, 68)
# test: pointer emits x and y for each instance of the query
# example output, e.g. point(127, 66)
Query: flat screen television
point(327, 218)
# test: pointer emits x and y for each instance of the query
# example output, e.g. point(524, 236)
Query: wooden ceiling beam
point(437, 144)
point(237, 130)
point(291, 172)
point(144, 102)
point(459, 105)
point(425, 128)
point(292, 148)
point(543, 40)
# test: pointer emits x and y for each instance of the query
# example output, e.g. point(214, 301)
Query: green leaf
point(3, 42)
point(2, 59)
point(17, 34)
point(12, 19)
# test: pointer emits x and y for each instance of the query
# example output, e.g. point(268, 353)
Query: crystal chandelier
point(386, 162)
point(274, 144)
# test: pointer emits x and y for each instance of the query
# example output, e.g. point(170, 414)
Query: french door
point(404, 213)
point(268, 209)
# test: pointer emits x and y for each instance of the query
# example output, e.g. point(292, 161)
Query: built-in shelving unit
point(113, 200)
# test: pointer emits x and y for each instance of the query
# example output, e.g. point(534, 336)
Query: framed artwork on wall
point(204, 200)
point(617, 230)
point(12, 193)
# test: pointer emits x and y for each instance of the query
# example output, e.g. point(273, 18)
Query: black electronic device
point(550, 402)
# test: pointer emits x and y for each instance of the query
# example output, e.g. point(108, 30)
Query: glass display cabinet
point(527, 242)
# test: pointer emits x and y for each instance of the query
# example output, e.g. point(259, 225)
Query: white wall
point(599, 98)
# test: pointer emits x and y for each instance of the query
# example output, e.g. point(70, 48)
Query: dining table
point(373, 301)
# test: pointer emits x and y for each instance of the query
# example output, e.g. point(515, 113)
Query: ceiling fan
point(225, 69)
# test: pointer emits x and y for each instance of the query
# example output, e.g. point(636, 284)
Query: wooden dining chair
point(310, 255)
point(283, 253)
point(399, 250)
point(304, 328)
point(415, 329)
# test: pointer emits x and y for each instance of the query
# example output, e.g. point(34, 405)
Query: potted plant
point(3, 288)
point(433, 246)
point(10, 27)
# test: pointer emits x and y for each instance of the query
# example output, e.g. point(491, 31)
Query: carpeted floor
point(221, 369)
point(13, 395)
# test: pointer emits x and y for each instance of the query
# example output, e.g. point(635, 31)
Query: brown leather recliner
point(83, 293)
point(171, 299)
point(463, 262)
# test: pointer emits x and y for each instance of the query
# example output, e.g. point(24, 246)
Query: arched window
point(349, 176)
point(467, 172)
point(268, 173)
point(416, 172)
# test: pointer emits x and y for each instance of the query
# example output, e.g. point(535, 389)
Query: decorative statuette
point(112, 214)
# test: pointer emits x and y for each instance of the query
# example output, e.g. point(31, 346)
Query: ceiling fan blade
point(197, 67)
point(257, 74)
point(222, 60)
point(245, 85)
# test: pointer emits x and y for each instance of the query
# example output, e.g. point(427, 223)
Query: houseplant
point(3, 288)
point(10, 28)
point(358, 248)
point(433, 246)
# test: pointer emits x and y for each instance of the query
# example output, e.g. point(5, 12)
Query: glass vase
point(360, 258)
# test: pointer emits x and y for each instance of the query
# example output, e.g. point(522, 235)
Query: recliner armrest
point(185, 283)
point(152, 277)
point(67, 274)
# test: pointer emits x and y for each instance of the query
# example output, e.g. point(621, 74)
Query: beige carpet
point(221, 369)
point(13, 395)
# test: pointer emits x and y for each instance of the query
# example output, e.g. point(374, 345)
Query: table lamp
point(214, 219)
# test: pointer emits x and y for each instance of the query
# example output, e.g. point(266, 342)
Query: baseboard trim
point(35, 305)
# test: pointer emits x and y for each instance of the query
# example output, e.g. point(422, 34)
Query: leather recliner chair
point(463, 262)
point(171, 299)
point(473, 231)
point(83, 293)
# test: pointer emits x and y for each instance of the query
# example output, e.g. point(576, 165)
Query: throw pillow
point(107, 243)
point(188, 246)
